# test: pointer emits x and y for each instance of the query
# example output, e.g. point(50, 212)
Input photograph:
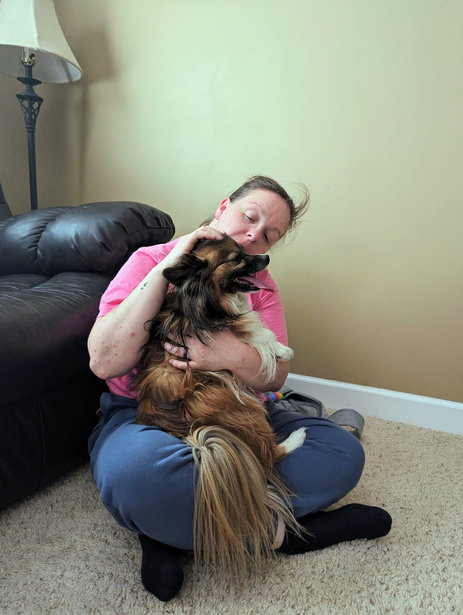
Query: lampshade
point(33, 25)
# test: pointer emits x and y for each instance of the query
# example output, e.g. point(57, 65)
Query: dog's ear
point(187, 266)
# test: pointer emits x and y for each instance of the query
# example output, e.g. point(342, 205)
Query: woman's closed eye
point(252, 221)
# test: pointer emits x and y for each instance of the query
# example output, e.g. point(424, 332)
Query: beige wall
point(362, 101)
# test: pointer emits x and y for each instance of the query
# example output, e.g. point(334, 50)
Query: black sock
point(161, 568)
point(350, 522)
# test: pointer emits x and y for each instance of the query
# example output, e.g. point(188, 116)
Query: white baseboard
point(438, 414)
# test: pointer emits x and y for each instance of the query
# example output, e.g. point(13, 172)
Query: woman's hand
point(225, 352)
point(188, 242)
point(213, 357)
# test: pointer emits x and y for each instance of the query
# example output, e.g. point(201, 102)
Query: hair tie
point(275, 396)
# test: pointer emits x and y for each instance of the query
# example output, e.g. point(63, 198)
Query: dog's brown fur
point(239, 495)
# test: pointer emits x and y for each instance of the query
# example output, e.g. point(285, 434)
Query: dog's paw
point(284, 353)
point(294, 440)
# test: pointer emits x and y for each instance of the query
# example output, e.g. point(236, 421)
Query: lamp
point(33, 49)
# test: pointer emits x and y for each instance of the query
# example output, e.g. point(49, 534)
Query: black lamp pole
point(30, 104)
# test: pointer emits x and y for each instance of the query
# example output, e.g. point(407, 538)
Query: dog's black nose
point(262, 260)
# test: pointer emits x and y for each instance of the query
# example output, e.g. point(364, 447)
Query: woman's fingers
point(176, 349)
point(180, 355)
point(179, 364)
point(213, 356)
point(188, 242)
point(207, 232)
point(204, 232)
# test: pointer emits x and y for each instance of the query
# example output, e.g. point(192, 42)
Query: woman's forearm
point(116, 339)
point(226, 352)
point(248, 367)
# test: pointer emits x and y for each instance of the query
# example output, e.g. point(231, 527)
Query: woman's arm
point(226, 351)
point(116, 340)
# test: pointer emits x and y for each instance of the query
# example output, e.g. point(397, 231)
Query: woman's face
point(256, 221)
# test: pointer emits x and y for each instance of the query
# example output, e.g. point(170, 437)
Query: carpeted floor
point(61, 553)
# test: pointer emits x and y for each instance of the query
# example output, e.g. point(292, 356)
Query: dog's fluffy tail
point(237, 502)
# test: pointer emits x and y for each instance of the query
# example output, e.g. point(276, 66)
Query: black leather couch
point(55, 263)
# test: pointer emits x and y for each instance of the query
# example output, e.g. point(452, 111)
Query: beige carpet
point(61, 553)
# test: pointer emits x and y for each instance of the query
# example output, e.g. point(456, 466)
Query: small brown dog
point(239, 497)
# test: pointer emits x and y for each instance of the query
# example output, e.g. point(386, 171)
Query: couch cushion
point(20, 281)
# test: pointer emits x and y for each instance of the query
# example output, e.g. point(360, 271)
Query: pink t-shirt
point(266, 303)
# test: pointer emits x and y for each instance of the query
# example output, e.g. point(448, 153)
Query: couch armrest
point(97, 237)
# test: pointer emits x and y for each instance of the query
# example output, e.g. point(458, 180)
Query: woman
point(144, 475)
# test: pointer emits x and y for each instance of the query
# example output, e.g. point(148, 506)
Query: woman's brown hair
point(263, 182)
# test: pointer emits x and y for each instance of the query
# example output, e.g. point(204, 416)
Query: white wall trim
point(438, 414)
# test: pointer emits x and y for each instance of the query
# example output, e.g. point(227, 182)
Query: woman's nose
point(253, 234)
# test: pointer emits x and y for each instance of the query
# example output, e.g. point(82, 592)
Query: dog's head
point(221, 264)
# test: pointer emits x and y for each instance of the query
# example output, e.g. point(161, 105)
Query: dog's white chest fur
point(261, 338)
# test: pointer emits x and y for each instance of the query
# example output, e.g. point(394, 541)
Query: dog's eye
point(237, 258)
